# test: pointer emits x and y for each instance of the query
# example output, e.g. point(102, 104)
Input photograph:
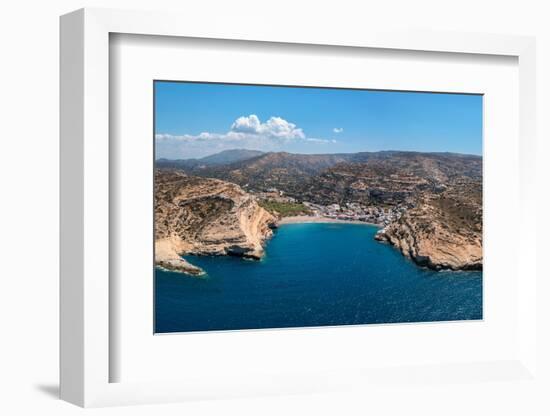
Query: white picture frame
point(85, 209)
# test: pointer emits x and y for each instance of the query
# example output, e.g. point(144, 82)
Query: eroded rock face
point(205, 217)
point(441, 232)
point(167, 256)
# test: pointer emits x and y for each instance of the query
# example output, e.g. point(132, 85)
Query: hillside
point(230, 156)
point(282, 170)
point(389, 179)
point(367, 177)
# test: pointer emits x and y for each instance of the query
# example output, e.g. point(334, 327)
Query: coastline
point(299, 219)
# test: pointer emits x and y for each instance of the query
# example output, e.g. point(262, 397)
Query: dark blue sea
point(314, 275)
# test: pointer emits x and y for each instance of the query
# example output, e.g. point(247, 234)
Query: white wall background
point(29, 114)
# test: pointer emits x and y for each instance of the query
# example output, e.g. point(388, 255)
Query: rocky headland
point(442, 231)
point(204, 216)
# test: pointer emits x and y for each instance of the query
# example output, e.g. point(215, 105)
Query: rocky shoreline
point(168, 254)
point(205, 217)
point(426, 235)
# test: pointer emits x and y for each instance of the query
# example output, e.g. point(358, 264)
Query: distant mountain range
point(316, 161)
point(222, 158)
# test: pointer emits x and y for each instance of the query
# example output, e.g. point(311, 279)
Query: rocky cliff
point(442, 231)
point(203, 216)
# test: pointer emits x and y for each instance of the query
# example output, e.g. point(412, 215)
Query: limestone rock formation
point(204, 216)
point(441, 232)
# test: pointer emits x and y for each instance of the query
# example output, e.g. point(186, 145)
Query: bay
point(314, 275)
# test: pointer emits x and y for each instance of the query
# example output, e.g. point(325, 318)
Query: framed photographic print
point(289, 220)
point(281, 221)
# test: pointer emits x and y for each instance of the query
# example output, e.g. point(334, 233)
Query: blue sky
point(196, 119)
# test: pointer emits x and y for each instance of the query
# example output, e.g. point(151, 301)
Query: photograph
point(299, 206)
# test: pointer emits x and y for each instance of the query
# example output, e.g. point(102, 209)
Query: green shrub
point(285, 209)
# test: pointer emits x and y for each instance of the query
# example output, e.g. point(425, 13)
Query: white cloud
point(274, 128)
point(250, 124)
point(245, 132)
point(314, 140)
point(338, 130)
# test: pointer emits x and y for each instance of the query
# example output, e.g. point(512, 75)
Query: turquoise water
point(314, 275)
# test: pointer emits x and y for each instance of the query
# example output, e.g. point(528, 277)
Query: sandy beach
point(308, 218)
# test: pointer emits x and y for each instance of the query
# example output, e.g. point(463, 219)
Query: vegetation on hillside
point(285, 209)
